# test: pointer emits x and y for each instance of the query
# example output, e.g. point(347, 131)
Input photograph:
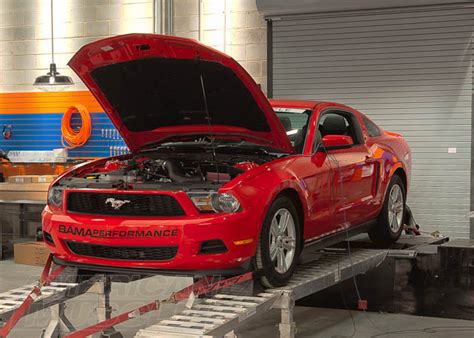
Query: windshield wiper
point(174, 147)
point(232, 145)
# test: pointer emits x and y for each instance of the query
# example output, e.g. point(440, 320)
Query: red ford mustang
point(219, 179)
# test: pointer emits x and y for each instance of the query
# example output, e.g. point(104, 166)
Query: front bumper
point(245, 267)
point(238, 231)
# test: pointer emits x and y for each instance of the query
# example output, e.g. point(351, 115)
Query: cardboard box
point(42, 178)
point(19, 179)
point(31, 179)
point(30, 253)
point(24, 187)
point(24, 191)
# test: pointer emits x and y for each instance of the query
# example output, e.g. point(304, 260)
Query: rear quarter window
point(372, 128)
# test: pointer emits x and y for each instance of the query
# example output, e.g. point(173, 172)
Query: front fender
point(258, 193)
point(293, 183)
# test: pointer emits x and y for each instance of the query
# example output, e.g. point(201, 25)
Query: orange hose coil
point(73, 138)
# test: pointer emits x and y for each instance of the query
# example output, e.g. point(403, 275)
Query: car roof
point(304, 104)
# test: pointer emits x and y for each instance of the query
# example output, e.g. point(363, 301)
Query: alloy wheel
point(282, 240)
point(395, 208)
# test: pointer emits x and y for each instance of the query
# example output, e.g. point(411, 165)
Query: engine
point(146, 171)
point(173, 170)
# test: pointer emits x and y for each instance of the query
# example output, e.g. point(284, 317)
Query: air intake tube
point(175, 172)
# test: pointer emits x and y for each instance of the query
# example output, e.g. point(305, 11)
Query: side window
point(339, 123)
point(372, 128)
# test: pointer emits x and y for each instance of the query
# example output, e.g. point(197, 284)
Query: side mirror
point(337, 141)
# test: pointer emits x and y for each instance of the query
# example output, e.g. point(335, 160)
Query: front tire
point(391, 219)
point(279, 244)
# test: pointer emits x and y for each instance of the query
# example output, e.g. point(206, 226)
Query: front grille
point(135, 204)
point(136, 253)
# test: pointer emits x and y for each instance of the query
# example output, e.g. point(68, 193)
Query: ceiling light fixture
point(52, 81)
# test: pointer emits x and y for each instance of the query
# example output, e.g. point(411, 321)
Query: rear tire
point(390, 222)
point(279, 244)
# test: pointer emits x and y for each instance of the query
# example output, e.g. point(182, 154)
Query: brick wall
point(233, 26)
point(25, 45)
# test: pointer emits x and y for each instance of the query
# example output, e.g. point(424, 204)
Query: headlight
point(55, 197)
point(213, 201)
point(225, 203)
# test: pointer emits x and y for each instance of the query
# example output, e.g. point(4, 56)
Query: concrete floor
point(311, 322)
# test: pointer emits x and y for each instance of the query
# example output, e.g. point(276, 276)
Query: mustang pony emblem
point(116, 204)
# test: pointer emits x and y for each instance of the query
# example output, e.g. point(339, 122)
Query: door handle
point(369, 159)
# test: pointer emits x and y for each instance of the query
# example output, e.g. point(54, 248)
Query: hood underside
point(157, 87)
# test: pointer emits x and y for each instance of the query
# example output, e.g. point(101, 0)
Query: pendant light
point(52, 81)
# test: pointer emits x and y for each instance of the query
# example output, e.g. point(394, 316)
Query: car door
point(317, 177)
point(353, 169)
point(314, 174)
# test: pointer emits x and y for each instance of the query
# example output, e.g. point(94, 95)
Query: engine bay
point(168, 170)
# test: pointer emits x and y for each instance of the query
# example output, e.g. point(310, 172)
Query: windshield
point(295, 122)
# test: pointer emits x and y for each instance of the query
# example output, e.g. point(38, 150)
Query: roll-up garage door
point(411, 72)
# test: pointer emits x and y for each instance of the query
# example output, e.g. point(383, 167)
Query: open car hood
point(153, 88)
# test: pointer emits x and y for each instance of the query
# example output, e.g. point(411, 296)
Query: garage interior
point(405, 64)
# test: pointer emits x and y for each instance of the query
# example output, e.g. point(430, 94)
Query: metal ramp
point(53, 298)
point(50, 295)
point(213, 317)
point(223, 314)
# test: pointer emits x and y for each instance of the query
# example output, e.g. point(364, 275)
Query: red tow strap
point(45, 279)
point(88, 331)
point(47, 276)
point(201, 288)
